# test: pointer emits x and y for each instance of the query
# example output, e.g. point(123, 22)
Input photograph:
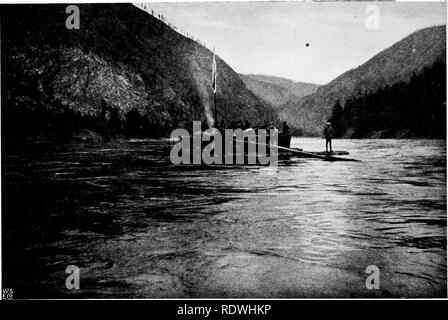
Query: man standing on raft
point(328, 134)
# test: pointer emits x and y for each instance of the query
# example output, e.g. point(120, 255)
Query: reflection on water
point(138, 226)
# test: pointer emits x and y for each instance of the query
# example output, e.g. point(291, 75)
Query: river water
point(138, 226)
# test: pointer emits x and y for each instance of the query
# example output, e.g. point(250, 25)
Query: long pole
point(215, 114)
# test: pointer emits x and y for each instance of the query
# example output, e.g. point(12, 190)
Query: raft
point(334, 153)
point(317, 155)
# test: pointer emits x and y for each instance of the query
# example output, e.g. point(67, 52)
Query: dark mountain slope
point(414, 109)
point(122, 64)
point(395, 64)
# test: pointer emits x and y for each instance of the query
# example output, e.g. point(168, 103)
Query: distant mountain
point(396, 64)
point(122, 71)
point(276, 90)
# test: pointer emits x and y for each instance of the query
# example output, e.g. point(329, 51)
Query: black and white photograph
point(217, 150)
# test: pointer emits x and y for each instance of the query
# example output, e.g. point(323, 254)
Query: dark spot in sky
point(307, 45)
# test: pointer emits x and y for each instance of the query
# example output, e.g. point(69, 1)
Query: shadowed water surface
point(138, 226)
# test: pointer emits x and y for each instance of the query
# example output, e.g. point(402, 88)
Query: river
point(138, 226)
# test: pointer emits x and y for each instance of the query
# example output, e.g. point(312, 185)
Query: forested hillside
point(122, 72)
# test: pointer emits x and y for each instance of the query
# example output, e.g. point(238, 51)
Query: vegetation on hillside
point(416, 108)
point(393, 65)
point(123, 72)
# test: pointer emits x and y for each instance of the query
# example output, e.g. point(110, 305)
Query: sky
point(271, 38)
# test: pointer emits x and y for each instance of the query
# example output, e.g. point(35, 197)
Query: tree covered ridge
point(394, 64)
point(123, 68)
point(407, 109)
